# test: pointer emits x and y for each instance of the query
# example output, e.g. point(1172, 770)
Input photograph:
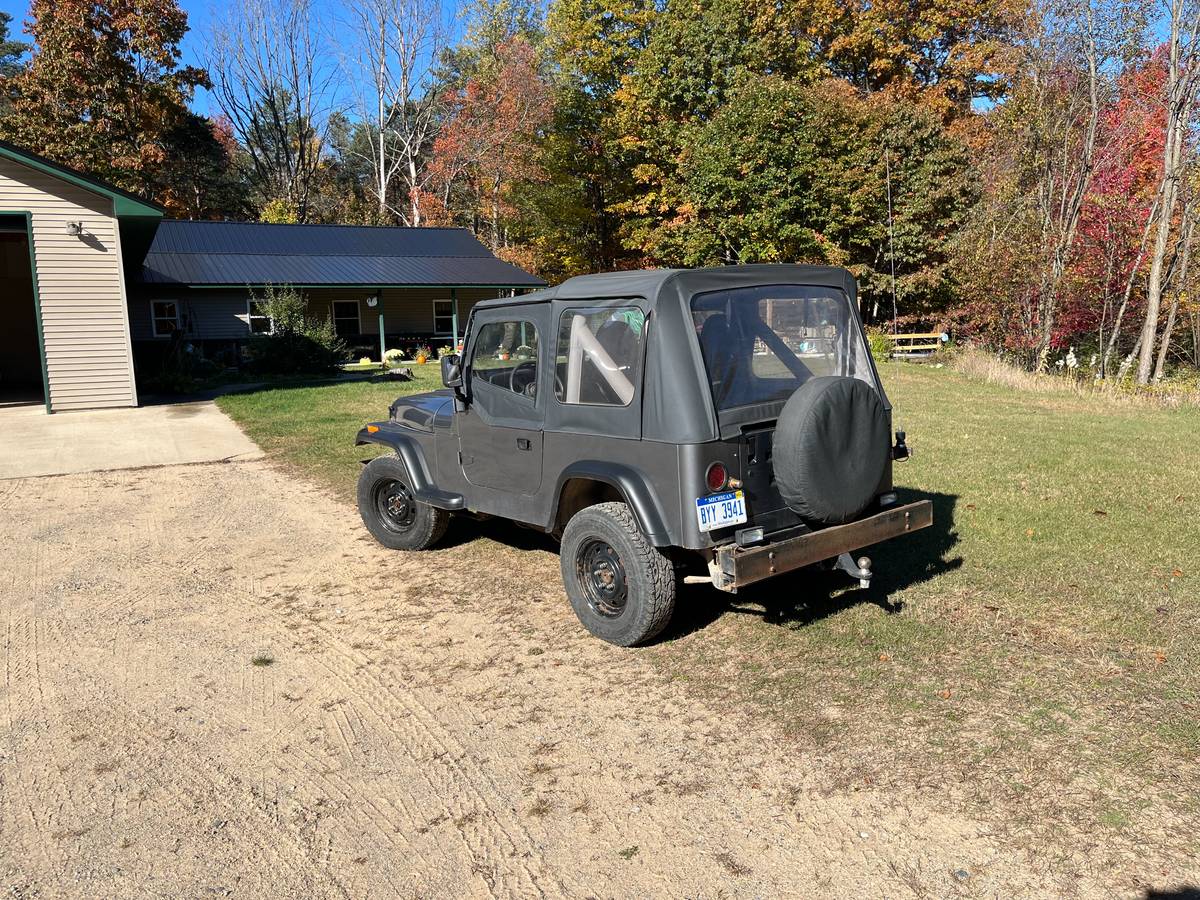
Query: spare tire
point(830, 449)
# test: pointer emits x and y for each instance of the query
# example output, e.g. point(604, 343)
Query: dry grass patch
point(994, 370)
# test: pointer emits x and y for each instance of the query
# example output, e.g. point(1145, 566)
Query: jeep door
point(500, 429)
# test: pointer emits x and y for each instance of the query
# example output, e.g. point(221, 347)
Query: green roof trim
point(125, 204)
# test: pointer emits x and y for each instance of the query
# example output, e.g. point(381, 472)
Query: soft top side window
point(505, 356)
point(599, 355)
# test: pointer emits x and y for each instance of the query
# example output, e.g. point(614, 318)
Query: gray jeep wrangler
point(728, 422)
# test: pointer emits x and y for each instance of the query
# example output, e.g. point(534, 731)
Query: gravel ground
point(215, 684)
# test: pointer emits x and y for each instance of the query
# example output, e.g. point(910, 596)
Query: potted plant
point(422, 354)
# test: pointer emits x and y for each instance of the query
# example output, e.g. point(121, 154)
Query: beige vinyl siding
point(411, 310)
point(80, 288)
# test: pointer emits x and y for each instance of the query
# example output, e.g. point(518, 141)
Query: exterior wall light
point(75, 228)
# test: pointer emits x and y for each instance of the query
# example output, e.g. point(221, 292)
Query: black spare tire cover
point(830, 448)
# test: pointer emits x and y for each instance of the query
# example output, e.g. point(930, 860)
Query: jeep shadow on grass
point(717, 425)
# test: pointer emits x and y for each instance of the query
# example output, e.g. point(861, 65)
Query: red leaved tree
point(489, 144)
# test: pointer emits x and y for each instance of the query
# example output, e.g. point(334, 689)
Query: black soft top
point(677, 402)
point(649, 283)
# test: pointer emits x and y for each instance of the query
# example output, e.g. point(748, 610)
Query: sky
point(199, 17)
point(201, 14)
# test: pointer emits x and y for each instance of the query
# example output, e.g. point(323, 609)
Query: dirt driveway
point(426, 726)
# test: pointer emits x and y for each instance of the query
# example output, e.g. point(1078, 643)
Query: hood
point(418, 411)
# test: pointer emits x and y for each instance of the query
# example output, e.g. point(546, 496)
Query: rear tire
point(620, 586)
point(391, 513)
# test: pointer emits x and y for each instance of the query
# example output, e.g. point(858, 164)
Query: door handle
point(523, 443)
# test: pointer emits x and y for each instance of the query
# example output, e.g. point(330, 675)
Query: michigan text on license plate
point(721, 510)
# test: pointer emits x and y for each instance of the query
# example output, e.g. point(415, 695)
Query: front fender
point(408, 448)
point(638, 495)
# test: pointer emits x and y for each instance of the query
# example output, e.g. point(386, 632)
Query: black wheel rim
point(602, 578)
point(395, 504)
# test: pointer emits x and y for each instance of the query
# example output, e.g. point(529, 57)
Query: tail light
point(716, 477)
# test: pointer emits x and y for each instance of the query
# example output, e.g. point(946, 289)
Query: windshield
point(761, 343)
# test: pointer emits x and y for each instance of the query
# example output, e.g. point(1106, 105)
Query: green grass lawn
point(1032, 654)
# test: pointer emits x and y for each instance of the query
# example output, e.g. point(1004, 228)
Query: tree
point(1040, 166)
point(275, 85)
point(10, 51)
point(489, 142)
point(948, 52)
point(10, 60)
point(817, 191)
point(397, 43)
point(1180, 90)
point(104, 88)
point(197, 178)
point(592, 44)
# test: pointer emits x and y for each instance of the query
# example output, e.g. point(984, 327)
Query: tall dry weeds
point(995, 370)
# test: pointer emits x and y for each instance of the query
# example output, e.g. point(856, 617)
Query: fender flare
point(412, 455)
point(638, 495)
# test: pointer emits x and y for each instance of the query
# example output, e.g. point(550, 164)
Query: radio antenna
point(887, 162)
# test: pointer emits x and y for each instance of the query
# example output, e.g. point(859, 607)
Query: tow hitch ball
point(860, 570)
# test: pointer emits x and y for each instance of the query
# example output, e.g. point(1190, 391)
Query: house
point(95, 283)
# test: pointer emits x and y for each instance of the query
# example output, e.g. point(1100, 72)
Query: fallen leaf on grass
point(1177, 573)
point(883, 657)
point(1028, 532)
point(945, 695)
point(1099, 512)
point(1159, 657)
point(970, 506)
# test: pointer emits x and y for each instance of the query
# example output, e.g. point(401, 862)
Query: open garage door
point(21, 372)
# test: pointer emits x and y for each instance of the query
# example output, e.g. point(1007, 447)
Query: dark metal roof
point(254, 253)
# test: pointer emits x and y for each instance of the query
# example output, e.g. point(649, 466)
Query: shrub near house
point(295, 344)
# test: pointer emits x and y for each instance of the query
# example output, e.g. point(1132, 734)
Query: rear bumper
point(736, 567)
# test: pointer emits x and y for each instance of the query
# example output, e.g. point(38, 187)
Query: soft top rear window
point(761, 343)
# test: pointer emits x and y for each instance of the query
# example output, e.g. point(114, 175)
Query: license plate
point(720, 510)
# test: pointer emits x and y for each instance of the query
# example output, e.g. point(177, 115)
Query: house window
point(443, 317)
point(345, 318)
point(164, 315)
point(257, 318)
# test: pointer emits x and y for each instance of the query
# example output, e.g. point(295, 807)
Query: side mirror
point(452, 370)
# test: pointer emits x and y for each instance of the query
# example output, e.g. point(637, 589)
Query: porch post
point(382, 341)
point(454, 318)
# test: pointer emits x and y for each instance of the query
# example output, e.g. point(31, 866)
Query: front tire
point(391, 513)
point(620, 586)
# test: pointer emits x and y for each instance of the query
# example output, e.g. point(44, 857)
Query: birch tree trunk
point(1181, 85)
point(397, 43)
point(1180, 285)
point(1068, 177)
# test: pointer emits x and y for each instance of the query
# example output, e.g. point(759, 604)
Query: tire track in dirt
point(399, 708)
point(382, 832)
point(436, 763)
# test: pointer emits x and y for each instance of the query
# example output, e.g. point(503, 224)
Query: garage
point(65, 240)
